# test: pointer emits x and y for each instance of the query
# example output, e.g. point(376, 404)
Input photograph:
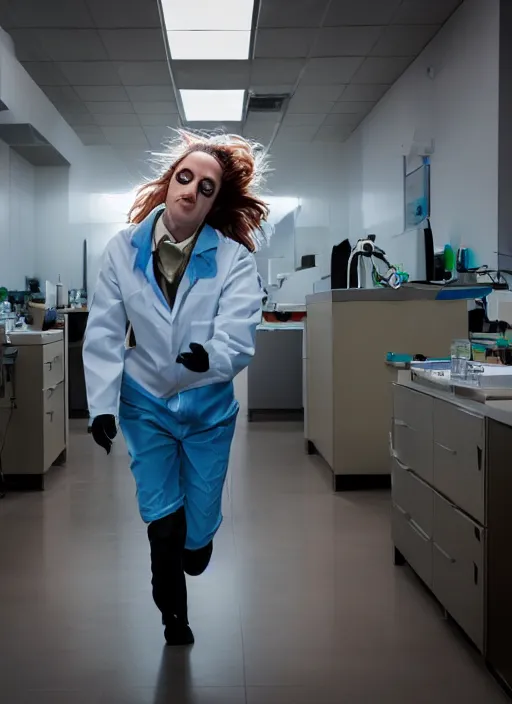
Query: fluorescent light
point(231, 15)
point(209, 46)
point(213, 105)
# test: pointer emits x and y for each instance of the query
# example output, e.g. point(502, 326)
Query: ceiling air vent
point(267, 103)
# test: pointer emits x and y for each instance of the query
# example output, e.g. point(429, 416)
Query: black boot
point(167, 541)
point(196, 561)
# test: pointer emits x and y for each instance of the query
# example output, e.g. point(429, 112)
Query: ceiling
point(103, 64)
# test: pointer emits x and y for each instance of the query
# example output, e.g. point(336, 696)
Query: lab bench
point(34, 427)
point(451, 522)
point(348, 389)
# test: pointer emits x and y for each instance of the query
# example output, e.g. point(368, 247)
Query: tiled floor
point(301, 605)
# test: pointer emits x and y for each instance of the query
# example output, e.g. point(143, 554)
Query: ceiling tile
point(421, 12)
point(158, 136)
point(72, 44)
point(102, 93)
point(71, 107)
point(27, 45)
point(45, 73)
point(331, 70)
point(284, 43)
point(52, 13)
point(303, 133)
point(262, 132)
point(93, 140)
point(256, 117)
point(78, 120)
point(346, 121)
point(158, 108)
point(366, 12)
point(364, 92)
point(126, 135)
point(134, 44)
point(381, 70)
point(304, 119)
point(329, 133)
point(304, 106)
point(401, 40)
point(88, 129)
point(276, 70)
point(230, 127)
point(161, 120)
point(116, 120)
point(90, 73)
point(120, 13)
point(314, 93)
point(152, 93)
point(301, 13)
point(144, 73)
point(346, 41)
point(355, 107)
point(214, 75)
point(110, 108)
point(272, 89)
point(61, 93)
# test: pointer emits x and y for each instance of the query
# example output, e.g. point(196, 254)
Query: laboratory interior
point(364, 552)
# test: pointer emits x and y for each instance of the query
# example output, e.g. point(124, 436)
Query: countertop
point(407, 292)
point(500, 411)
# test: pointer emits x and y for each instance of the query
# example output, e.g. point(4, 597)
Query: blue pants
point(179, 449)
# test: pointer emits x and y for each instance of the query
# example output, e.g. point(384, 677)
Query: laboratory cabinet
point(34, 430)
point(348, 396)
point(451, 518)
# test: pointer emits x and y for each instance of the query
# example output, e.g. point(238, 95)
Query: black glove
point(103, 431)
point(197, 360)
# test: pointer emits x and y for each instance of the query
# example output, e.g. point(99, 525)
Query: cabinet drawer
point(459, 458)
point(412, 431)
point(413, 543)
point(53, 363)
point(414, 496)
point(54, 424)
point(458, 568)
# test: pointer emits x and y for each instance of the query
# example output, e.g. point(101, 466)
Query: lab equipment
point(365, 261)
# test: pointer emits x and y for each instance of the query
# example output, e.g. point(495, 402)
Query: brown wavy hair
point(238, 212)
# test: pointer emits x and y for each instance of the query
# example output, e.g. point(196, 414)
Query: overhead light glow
point(206, 15)
point(209, 46)
point(213, 105)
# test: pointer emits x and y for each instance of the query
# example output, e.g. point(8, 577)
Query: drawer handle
point(404, 513)
point(419, 531)
point(475, 573)
point(445, 554)
point(403, 424)
point(401, 464)
point(446, 449)
point(479, 454)
point(52, 362)
point(50, 413)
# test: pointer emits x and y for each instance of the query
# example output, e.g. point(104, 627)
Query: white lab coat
point(218, 305)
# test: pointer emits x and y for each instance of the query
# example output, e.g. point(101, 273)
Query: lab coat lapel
point(142, 241)
point(202, 265)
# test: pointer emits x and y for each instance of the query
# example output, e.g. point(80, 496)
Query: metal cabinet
point(458, 567)
point(34, 433)
point(459, 457)
point(412, 431)
point(439, 502)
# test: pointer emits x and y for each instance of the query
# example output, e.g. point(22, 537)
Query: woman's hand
point(104, 430)
point(196, 360)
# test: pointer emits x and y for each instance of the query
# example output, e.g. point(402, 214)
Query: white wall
point(459, 110)
point(18, 231)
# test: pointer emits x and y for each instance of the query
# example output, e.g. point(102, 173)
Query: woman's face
point(192, 191)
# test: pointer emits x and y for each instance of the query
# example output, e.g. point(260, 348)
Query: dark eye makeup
point(206, 186)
